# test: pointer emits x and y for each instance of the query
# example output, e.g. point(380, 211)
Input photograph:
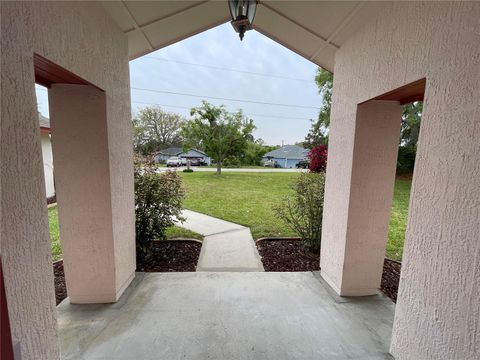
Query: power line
point(226, 99)
point(219, 98)
point(228, 69)
point(252, 115)
point(189, 108)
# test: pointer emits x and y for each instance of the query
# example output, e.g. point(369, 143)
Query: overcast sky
point(290, 81)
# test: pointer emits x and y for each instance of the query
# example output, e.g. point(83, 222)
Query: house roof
point(312, 29)
point(288, 152)
point(199, 151)
point(170, 151)
point(44, 122)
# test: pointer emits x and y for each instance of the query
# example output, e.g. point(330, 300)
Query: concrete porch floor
point(251, 315)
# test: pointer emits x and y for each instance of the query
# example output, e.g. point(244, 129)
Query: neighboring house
point(163, 155)
point(47, 155)
point(287, 156)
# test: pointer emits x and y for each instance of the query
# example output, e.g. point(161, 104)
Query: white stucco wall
point(47, 163)
point(438, 309)
point(83, 39)
point(82, 174)
point(377, 129)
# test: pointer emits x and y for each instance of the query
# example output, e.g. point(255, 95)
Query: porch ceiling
point(314, 30)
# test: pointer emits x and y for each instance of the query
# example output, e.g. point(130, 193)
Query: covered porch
point(228, 316)
point(382, 54)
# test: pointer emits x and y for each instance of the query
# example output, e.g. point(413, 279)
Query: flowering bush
point(158, 202)
point(318, 159)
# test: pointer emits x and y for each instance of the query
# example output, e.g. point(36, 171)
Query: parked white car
point(174, 161)
point(271, 163)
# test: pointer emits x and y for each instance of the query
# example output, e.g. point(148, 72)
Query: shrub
point(303, 210)
point(188, 170)
point(231, 162)
point(318, 159)
point(158, 202)
point(406, 159)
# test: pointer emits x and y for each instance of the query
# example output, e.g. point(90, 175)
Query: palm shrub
point(158, 203)
point(303, 210)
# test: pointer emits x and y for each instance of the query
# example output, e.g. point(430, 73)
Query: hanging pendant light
point(243, 13)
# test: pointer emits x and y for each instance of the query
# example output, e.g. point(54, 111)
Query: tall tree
point(254, 152)
point(318, 133)
point(220, 133)
point(155, 129)
point(410, 130)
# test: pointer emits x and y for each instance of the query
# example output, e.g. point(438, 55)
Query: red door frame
point(48, 73)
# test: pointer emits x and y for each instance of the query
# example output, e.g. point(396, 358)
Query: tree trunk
point(219, 168)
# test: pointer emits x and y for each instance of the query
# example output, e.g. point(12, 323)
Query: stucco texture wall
point(438, 311)
point(83, 39)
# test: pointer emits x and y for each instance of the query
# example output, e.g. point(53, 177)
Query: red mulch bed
point(287, 255)
point(391, 278)
point(291, 255)
point(60, 287)
point(166, 256)
point(277, 255)
point(52, 200)
point(171, 256)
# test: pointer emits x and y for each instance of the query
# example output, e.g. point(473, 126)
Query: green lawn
point(172, 233)
point(398, 219)
point(248, 198)
point(243, 198)
point(54, 233)
point(178, 232)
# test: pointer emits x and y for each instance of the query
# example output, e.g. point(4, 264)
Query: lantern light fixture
point(243, 13)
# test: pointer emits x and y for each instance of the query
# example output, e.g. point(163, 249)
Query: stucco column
point(352, 263)
point(91, 250)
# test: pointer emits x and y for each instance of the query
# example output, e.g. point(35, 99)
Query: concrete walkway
point(218, 316)
point(226, 246)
